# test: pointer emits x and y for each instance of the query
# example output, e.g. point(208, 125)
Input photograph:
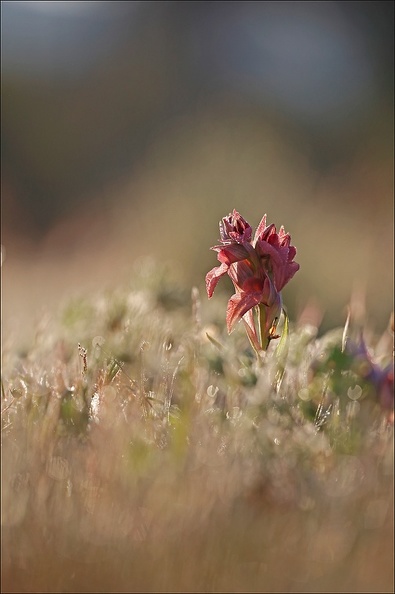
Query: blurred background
point(130, 128)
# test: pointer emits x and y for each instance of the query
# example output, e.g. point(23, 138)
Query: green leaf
point(280, 350)
point(262, 325)
point(217, 344)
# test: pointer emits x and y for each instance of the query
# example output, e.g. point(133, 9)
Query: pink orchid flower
point(259, 269)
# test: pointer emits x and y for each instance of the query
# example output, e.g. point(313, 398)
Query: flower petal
point(272, 312)
point(260, 229)
point(249, 324)
point(234, 252)
point(240, 272)
point(266, 233)
point(279, 263)
point(234, 228)
point(238, 305)
point(213, 277)
point(269, 293)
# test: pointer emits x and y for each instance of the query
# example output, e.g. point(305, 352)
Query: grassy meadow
point(145, 449)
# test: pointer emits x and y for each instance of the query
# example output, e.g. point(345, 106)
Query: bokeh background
point(130, 128)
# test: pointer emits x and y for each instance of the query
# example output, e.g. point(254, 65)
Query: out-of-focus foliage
point(144, 449)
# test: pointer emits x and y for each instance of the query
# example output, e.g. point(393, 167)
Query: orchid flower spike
point(259, 267)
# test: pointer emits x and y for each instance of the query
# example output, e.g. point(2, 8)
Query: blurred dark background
point(130, 128)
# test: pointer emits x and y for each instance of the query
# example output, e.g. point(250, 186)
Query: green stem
point(262, 326)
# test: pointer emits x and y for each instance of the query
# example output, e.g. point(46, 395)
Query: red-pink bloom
point(234, 228)
point(276, 249)
point(259, 268)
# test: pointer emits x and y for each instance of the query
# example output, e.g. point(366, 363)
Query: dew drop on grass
point(168, 345)
point(109, 393)
point(304, 394)
point(19, 389)
point(212, 391)
point(354, 393)
point(98, 341)
point(95, 406)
